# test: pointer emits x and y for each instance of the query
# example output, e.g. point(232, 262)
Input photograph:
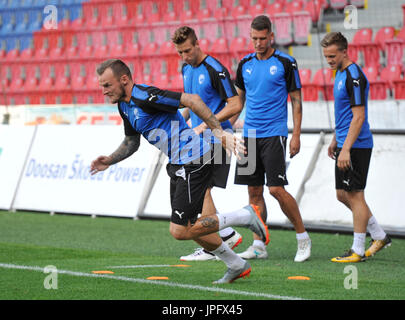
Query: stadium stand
point(138, 31)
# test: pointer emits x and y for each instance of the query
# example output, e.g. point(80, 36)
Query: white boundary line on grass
point(159, 283)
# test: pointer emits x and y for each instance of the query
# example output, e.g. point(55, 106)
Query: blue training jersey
point(212, 82)
point(266, 84)
point(350, 90)
point(154, 113)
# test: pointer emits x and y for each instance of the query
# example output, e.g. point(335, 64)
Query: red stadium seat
point(315, 9)
point(394, 49)
point(378, 88)
point(324, 79)
point(399, 89)
point(293, 6)
point(274, 8)
point(283, 25)
point(371, 53)
point(362, 36)
point(302, 26)
point(384, 34)
point(309, 90)
point(391, 73)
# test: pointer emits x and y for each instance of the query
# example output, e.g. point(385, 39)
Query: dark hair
point(118, 67)
point(336, 38)
point(184, 33)
point(261, 23)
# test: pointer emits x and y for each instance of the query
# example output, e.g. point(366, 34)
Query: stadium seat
point(120, 9)
point(274, 8)
point(394, 49)
point(256, 9)
point(28, 53)
point(13, 54)
point(293, 6)
point(378, 88)
point(391, 73)
point(309, 90)
point(283, 25)
point(324, 80)
point(362, 36)
point(399, 89)
point(384, 34)
point(371, 54)
point(57, 51)
point(302, 26)
point(3, 49)
point(315, 9)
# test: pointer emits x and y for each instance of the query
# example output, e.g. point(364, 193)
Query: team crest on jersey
point(273, 70)
point(201, 79)
point(340, 84)
point(136, 113)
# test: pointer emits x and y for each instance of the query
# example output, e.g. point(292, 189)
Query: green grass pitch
point(79, 245)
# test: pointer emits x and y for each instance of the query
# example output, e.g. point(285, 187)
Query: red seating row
point(388, 82)
point(386, 41)
point(162, 11)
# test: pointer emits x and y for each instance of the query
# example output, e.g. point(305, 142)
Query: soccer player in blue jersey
point(351, 147)
point(264, 80)
point(153, 113)
point(207, 77)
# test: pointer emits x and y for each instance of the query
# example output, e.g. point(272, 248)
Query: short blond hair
point(336, 38)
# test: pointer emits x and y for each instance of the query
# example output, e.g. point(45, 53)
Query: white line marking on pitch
point(168, 284)
point(141, 266)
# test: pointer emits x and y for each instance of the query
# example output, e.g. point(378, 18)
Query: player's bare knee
point(277, 192)
point(178, 232)
point(255, 193)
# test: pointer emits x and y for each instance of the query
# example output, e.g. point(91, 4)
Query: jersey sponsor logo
point(201, 79)
point(249, 71)
point(273, 70)
point(294, 65)
point(340, 84)
point(356, 82)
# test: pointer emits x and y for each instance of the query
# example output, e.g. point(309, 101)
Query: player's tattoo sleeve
point(128, 147)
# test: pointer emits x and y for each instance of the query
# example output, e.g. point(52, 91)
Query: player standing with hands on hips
point(351, 147)
point(264, 80)
point(153, 113)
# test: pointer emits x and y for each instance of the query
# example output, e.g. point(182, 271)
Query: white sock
point(239, 217)
point(376, 232)
point(228, 256)
point(226, 232)
point(259, 243)
point(302, 236)
point(359, 242)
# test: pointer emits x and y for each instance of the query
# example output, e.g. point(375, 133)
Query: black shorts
point(265, 159)
point(188, 184)
point(221, 163)
point(355, 178)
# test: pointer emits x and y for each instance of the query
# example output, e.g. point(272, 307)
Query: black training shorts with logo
point(265, 159)
point(188, 184)
point(355, 178)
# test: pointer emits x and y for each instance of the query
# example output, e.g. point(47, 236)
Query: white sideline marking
point(141, 266)
point(168, 284)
